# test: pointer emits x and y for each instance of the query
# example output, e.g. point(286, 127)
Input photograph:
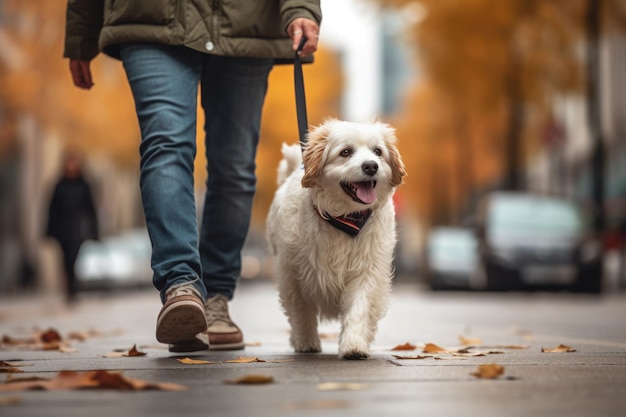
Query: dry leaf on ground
point(433, 348)
point(341, 386)
point(132, 352)
point(559, 349)
point(243, 359)
point(189, 361)
point(252, 379)
point(469, 341)
point(71, 380)
point(9, 368)
point(406, 346)
point(411, 357)
point(489, 371)
point(49, 339)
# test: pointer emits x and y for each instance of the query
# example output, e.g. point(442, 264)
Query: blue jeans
point(164, 81)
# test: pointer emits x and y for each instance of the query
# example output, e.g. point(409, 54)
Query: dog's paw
point(307, 346)
point(354, 355)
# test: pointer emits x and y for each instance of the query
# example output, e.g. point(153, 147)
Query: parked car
point(115, 261)
point(532, 241)
point(451, 260)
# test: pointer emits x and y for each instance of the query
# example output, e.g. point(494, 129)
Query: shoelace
point(182, 290)
point(217, 309)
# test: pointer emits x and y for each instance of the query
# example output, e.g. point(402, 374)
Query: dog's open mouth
point(361, 192)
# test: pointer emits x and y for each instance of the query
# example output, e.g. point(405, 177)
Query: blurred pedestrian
point(72, 216)
point(229, 49)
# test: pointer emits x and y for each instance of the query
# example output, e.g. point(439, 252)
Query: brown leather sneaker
point(223, 333)
point(182, 316)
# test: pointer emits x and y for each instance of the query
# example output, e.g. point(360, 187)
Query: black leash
point(353, 222)
point(303, 124)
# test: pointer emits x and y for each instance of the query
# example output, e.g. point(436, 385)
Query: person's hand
point(304, 27)
point(81, 73)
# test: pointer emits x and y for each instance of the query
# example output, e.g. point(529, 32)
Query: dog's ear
point(395, 160)
point(313, 156)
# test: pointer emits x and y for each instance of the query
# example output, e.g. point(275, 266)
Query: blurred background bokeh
point(524, 96)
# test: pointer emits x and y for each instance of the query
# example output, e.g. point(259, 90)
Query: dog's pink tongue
point(365, 192)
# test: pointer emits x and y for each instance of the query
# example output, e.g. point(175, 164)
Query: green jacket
point(244, 28)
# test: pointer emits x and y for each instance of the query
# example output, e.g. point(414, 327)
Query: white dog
point(331, 230)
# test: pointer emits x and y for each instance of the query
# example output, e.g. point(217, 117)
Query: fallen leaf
point(243, 359)
point(120, 353)
point(468, 354)
point(13, 341)
point(433, 348)
point(10, 400)
point(489, 371)
point(4, 364)
point(558, 349)
point(254, 344)
point(12, 370)
point(50, 336)
point(329, 336)
point(252, 379)
point(189, 361)
point(468, 341)
point(406, 346)
point(71, 380)
point(67, 349)
point(134, 352)
point(341, 386)
point(411, 357)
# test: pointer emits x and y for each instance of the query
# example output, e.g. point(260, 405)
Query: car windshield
point(535, 216)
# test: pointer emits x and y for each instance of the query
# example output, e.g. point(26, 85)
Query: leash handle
point(303, 124)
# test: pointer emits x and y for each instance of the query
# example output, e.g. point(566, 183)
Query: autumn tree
point(493, 69)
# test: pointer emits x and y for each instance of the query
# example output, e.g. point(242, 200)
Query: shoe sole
point(180, 322)
point(227, 346)
point(194, 345)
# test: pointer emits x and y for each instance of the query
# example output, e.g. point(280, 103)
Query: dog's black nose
point(369, 167)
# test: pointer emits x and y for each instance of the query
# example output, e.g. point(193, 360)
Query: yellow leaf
point(67, 349)
point(468, 341)
point(341, 386)
point(189, 361)
point(252, 379)
point(558, 349)
point(489, 371)
point(243, 359)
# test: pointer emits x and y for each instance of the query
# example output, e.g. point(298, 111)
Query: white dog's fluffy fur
point(322, 272)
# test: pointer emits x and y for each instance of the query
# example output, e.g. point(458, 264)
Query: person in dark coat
point(72, 216)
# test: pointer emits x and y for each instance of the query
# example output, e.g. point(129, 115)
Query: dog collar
point(351, 223)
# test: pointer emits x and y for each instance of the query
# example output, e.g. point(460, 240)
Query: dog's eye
point(378, 152)
point(346, 152)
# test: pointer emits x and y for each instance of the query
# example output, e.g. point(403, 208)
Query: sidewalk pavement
point(588, 382)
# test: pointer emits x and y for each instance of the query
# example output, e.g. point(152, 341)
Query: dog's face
point(352, 166)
